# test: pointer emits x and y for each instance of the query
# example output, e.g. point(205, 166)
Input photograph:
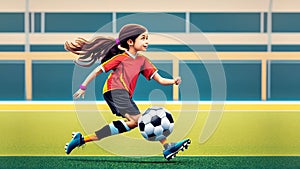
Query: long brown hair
point(103, 48)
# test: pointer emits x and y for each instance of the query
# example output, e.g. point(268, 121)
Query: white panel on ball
point(149, 129)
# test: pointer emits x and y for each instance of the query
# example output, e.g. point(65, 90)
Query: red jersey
point(126, 71)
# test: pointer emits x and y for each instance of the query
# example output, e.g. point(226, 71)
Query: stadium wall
point(258, 76)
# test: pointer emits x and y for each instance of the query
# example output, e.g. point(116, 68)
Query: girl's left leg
point(115, 127)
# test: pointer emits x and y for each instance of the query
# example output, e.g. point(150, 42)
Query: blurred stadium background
point(256, 42)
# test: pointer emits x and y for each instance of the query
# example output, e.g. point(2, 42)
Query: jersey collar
point(131, 55)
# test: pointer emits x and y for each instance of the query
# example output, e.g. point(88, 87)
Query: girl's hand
point(177, 80)
point(78, 94)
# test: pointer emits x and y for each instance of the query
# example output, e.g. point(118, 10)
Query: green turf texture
point(215, 162)
point(239, 133)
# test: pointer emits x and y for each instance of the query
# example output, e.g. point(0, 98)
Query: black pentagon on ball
point(170, 118)
point(156, 121)
point(151, 137)
point(142, 126)
point(166, 133)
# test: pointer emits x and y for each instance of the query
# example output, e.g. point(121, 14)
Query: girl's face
point(141, 42)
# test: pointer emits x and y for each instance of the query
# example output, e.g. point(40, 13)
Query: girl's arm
point(165, 81)
point(80, 92)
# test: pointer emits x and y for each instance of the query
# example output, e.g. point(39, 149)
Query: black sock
point(113, 128)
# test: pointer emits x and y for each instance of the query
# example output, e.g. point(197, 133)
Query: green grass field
point(74, 162)
point(258, 136)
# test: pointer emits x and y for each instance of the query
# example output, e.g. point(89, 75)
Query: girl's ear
point(130, 42)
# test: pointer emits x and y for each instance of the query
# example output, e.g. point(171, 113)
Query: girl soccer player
point(121, 56)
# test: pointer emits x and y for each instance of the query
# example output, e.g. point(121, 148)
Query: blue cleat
point(172, 149)
point(76, 141)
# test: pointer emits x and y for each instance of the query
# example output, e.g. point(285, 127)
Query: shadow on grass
point(130, 160)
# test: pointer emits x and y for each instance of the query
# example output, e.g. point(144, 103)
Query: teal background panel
point(285, 22)
point(52, 80)
point(285, 80)
point(12, 48)
point(47, 48)
point(11, 22)
point(225, 22)
point(228, 80)
point(286, 48)
point(154, 22)
point(37, 22)
point(78, 22)
point(12, 75)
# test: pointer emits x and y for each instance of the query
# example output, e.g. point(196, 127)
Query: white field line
point(78, 103)
point(177, 111)
point(153, 102)
point(133, 156)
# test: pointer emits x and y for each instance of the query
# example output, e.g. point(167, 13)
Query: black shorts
point(120, 102)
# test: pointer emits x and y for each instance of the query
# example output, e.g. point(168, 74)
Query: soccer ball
point(156, 124)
